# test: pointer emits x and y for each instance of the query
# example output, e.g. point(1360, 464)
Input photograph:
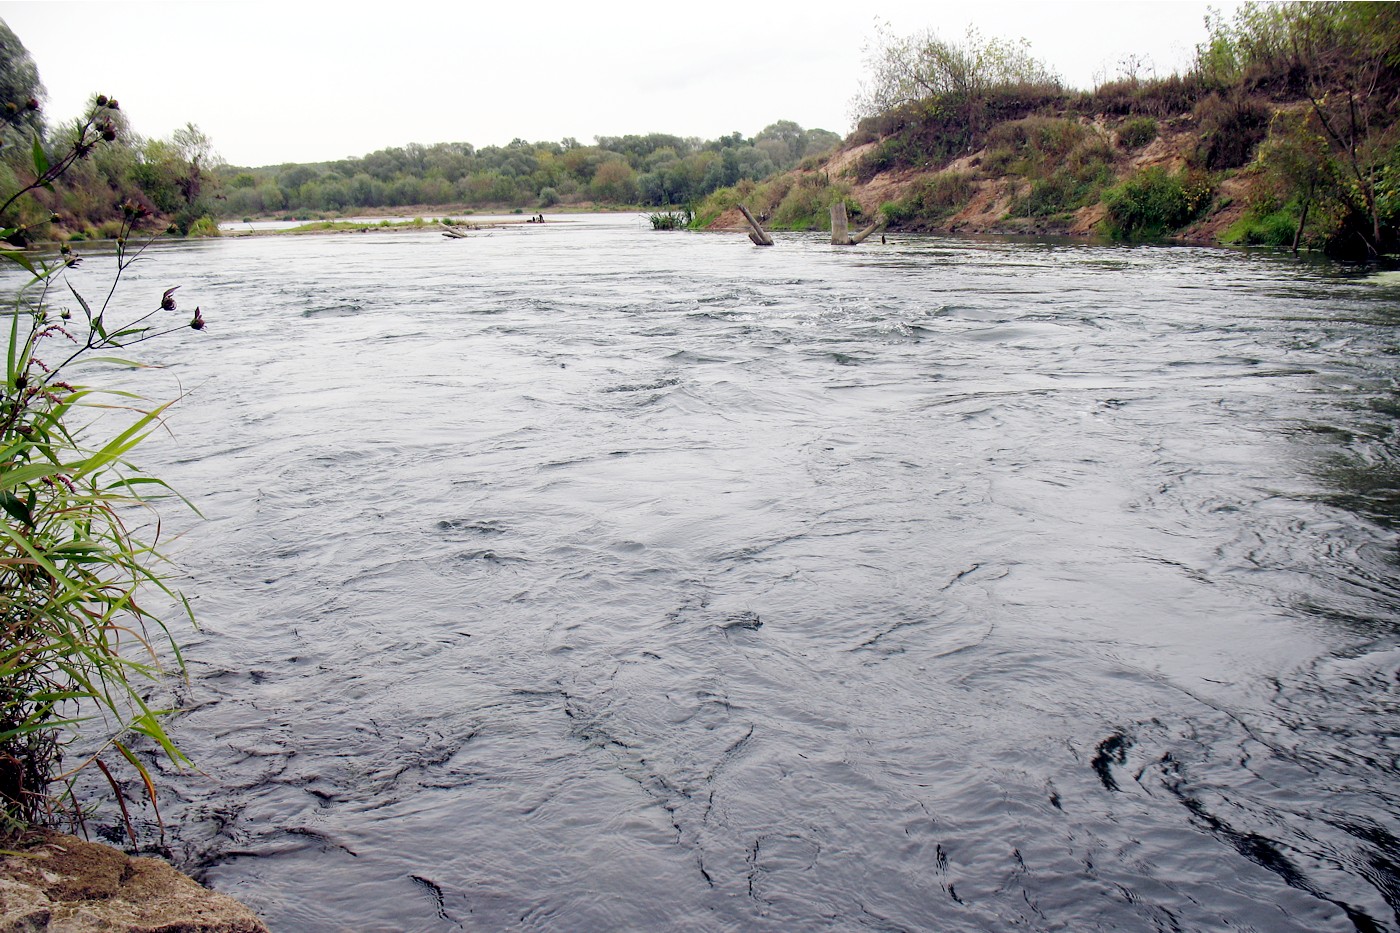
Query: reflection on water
point(585, 577)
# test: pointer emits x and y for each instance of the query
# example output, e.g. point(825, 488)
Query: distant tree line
point(181, 182)
point(657, 169)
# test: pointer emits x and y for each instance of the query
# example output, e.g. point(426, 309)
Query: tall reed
point(81, 649)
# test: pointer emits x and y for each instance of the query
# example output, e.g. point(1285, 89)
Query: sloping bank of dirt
point(989, 208)
point(59, 883)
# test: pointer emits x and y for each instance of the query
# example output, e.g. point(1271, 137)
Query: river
point(582, 577)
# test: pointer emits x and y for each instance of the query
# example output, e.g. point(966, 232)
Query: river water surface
point(582, 577)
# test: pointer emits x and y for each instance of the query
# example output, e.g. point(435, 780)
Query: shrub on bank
point(205, 226)
point(1264, 227)
point(1137, 132)
point(1153, 203)
point(932, 201)
point(807, 204)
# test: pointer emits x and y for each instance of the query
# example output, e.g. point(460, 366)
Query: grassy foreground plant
point(80, 650)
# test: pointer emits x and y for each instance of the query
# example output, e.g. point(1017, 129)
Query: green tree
point(1297, 159)
point(615, 182)
point(292, 177)
point(272, 197)
point(819, 141)
point(1341, 58)
point(922, 66)
point(782, 142)
point(179, 175)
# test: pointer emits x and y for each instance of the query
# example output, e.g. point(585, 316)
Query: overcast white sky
point(302, 81)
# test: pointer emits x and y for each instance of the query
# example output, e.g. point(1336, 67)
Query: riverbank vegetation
point(1284, 133)
point(82, 650)
point(172, 180)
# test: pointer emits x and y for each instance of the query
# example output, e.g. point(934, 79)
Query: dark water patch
point(332, 311)
point(652, 386)
point(471, 526)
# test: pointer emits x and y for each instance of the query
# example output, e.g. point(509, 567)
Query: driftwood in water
point(757, 234)
point(860, 237)
point(457, 233)
point(840, 227)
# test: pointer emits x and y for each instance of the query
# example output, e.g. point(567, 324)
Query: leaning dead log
point(457, 233)
point(757, 234)
point(860, 237)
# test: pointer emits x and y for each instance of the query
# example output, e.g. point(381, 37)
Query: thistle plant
point(81, 651)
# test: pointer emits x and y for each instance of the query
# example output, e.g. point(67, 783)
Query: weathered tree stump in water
point(840, 231)
point(840, 227)
point(757, 234)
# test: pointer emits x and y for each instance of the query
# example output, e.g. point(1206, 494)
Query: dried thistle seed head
point(112, 104)
point(101, 100)
point(109, 132)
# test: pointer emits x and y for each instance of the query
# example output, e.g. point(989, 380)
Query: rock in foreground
point(62, 884)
